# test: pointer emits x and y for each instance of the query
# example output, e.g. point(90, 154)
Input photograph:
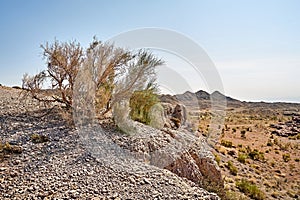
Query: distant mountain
point(200, 98)
point(201, 94)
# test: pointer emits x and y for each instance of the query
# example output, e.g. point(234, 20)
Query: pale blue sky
point(254, 44)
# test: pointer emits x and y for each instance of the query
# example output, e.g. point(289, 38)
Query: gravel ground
point(62, 168)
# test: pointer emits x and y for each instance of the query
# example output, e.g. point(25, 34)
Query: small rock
point(146, 181)
point(3, 169)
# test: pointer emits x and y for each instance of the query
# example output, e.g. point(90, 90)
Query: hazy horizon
point(255, 45)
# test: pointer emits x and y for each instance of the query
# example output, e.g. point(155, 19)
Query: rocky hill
point(42, 157)
point(256, 156)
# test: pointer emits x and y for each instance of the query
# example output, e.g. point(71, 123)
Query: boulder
point(198, 165)
point(175, 115)
point(157, 117)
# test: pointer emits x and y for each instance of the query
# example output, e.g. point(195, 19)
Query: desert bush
point(286, 157)
point(37, 138)
point(231, 195)
point(276, 141)
point(256, 155)
point(242, 158)
point(6, 148)
point(297, 159)
point(213, 187)
point(226, 143)
point(233, 169)
point(217, 158)
point(141, 103)
point(250, 189)
point(285, 146)
point(115, 72)
point(63, 61)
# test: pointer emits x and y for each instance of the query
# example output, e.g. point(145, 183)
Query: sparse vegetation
point(37, 138)
point(242, 158)
point(217, 158)
point(286, 157)
point(250, 189)
point(6, 148)
point(261, 152)
point(256, 155)
point(226, 143)
point(233, 169)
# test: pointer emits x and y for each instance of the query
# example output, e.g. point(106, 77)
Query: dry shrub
point(106, 74)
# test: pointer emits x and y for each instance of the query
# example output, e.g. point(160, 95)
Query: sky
point(254, 44)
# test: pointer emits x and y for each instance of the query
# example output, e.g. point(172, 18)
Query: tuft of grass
point(231, 195)
point(217, 158)
point(233, 169)
point(242, 158)
point(256, 155)
point(8, 148)
point(226, 143)
point(286, 157)
point(250, 189)
point(37, 138)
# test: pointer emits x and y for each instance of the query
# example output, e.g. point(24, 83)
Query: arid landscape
point(260, 144)
point(179, 100)
point(42, 156)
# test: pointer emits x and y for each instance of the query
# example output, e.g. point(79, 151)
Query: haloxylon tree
point(115, 72)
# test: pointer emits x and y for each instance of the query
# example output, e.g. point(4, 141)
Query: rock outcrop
point(289, 128)
point(179, 151)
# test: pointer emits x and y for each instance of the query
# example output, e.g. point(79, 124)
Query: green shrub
point(256, 155)
point(217, 158)
point(140, 105)
point(250, 189)
point(226, 143)
point(242, 158)
point(233, 169)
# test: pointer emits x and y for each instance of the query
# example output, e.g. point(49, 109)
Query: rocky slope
point(61, 167)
